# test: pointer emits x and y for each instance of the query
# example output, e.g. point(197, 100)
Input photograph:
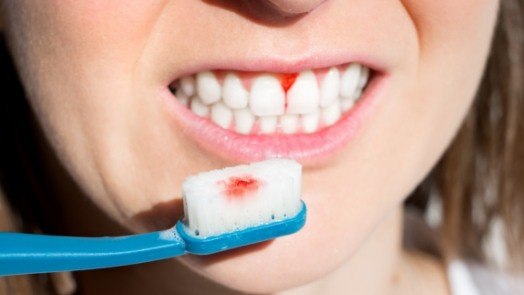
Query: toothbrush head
point(241, 238)
point(241, 205)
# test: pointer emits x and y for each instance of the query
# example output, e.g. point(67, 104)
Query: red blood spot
point(287, 81)
point(240, 186)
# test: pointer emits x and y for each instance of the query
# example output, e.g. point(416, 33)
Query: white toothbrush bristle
point(236, 198)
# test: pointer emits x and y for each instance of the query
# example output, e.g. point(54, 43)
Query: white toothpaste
point(235, 198)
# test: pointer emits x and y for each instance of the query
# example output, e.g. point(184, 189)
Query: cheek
point(452, 26)
point(64, 48)
point(76, 60)
point(96, 30)
point(422, 109)
point(453, 40)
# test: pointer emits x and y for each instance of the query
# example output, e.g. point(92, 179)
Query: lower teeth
point(244, 122)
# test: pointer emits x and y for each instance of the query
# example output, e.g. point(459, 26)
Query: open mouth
point(250, 103)
point(246, 116)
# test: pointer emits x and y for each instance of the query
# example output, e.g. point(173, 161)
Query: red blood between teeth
point(240, 186)
point(287, 81)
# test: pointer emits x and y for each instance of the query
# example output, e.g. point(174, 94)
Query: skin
point(93, 70)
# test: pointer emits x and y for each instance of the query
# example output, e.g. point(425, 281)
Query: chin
point(261, 269)
point(287, 262)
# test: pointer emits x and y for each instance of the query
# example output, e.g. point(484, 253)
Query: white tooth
point(267, 98)
point(198, 107)
point(331, 114)
point(349, 80)
point(289, 123)
point(208, 87)
point(182, 97)
point(357, 94)
point(234, 94)
point(267, 124)
point(188, 85)
point(310, 122)
point(330, 87)
point(221, 115)
point(303, 97)
point(244, 120)
point(364, 76)
point(346, 103)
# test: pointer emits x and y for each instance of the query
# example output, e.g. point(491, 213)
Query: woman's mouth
point(250, 116)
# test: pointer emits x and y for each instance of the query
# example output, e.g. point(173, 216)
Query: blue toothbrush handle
point(29, 253)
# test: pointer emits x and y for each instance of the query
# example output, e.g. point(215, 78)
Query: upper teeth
point(303, 97)
point(267, 98)
point(234, 94)
point(265, 107)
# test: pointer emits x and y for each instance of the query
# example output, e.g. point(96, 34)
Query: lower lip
point(305, 148)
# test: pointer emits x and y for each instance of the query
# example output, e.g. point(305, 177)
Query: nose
point(294, 7)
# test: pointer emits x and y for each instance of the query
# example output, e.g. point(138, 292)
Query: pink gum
point(248, 77)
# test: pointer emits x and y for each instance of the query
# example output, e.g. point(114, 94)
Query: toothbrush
point(224, 209)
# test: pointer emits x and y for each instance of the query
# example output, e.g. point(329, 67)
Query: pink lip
point(306, 148)
point(316, 59)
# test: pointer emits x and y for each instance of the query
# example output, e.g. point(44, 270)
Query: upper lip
point(278, 63)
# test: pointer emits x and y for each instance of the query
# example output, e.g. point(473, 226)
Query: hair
point(480, 178)
point(479, 181)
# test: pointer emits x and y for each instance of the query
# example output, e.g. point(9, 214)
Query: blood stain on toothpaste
point(240, 186)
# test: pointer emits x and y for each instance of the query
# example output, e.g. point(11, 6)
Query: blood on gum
point(288, 80)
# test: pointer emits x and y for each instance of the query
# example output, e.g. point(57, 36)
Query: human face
point(97, 74)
